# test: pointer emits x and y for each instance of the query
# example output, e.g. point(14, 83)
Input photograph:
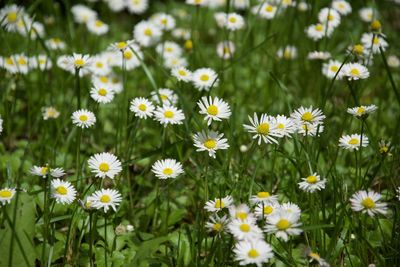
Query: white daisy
point(263, 129)
point(83, 118)
point(43, 171)
point(319, 31)
point(329, 16)
point(331, 69)
point(137, 6)
point(234, 22)
point(55, 44)
point(50, 113)
point(355, 71)
point(167, 96)
point(287, 52)
point(244, 229)
point(169, 49)
point(101, 94)
point(312, 183)
point(104, 165)
point(374, 42)
point(104, 199)
point(79, 62)
point(175, 62)
point(83, 14)
point(167, 168)
point(62, 191)
point(100, 66)
point(142, 107)
point(255, 251)
point(218, 204)
point(353, 142)
point(97, 27)
point(367, 14)
point(225, 49)
point(283, 224)
point(182, 74)
point(265, 11)
point(284, 126)
point(241, 212)
point(319, 55)
point(368, 202)
point(342, 7)
point(169, 115)
point(308, 115)
point(214, 109)
point(362, 111)
point(308, 129)
point(6, 195)
point(163, 21)
point(197, 2)
point(263, 197)
point(210, 141)
point(263, 210)
point(393, 61)
point(204, 79)
point(146, 33)
point(10, 15)
point(41, 62)
point(216, 223)
point(121, 46)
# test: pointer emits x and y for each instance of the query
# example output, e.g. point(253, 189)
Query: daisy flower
point(146, 33)
point(355, 71)
point(121, 46)
point(79, 62)
point(318, 31)
point(374, 42)
point(225, 49)
point(264, 129)
point(6, 194)
point(204, 78)
point(284, 126)
point(319, 55)
point(105, 165)
point(175, 62)
point(167, 96)
point(283, 224)
point(332, 69)
point(83, 14)
point(307, 129)
point(244, 229)
point(83, 118)
point(307, 116)
point(210, 141)
point(167, 168)
point(142, 107)
point(182, 74)
point(97, 27)
point(353, 142)
point(62, 191)
point(1, 125)
point(55, 44)
point(367, 14)
point(316, 258)
point(104, 199)
point(265, 11)
point(100, 66)
point(41, 62)
point(214, 109)
point(163, 21)
point(169, 49)
point(169, 115)
point(264, 197)
point(255, 251)
point(216, 223)
point(241, 212)
point(101, 95)
point(50, 113)
point(197, 2)
point(362, 111)
point(312, 183)
point(329, 16)
point(234, 22)
point(218, 204)
point(10, 15)
point(368, 202)
point(137, 6)
point(384, 147)
point(43, 171)
point(393, 61)
point(291, 208)
point(263, 210)
point(288, 52)
point(342, 7)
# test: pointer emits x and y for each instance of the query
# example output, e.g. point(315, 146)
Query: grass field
point(199, 133)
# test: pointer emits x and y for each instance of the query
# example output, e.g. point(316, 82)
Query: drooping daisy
point(384, 147)
point(167, 168)
point(210, 141)
point(329, 16)
point(283, 224)
point(214, 109)
point(169, 115)
point(225, 49)
point(255, 251)
point(97, 27)
point(104, 199)
point(218, 204)
point(182, 74)
point(50, 113)
point(146, 33)
point(321, 55)
point(263, 210)
point(332, 69)
point(355, 71)
point(244, 229)
point(263, 129)
point(217, 224)
point(308, 115)
point(241, 212)
point(167, 96)
point(353, 142)
point(105, 165)
point(368, 202)
point(319, 31)
point(137, 6)
point(287, 52)
point(142, 108)
point(83, 118)
point(83, 14)
point(263, 197)
point(342, 7)
point(204, 79)
point(315, 258)
point(62, 191)
point(55, 44)
point(312, 183)
point(362, 111)
point(374, 42)
point(6, 195)
point(43, 171)
point(101, 94)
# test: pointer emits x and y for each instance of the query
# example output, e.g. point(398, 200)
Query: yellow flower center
point(307, 116)
point(263, 194)
point(312, 179)
point(383, 150)
point(232, 19)
point(355, 72)
point(283, 224)
point(164, 21)
point(12, 16)
point(263, 128)
point(182, 72)
point(358, 49)
point(331, 17)
point(354, 141)
point(44, 170)
point(5, 193)
point(102, 92)
point(56, 40)
point(268, 210)
point(99, 23)
point(163, 97)
point(9, 61)
point(241, 215)
point(219, 204)
point(204, 77)
point(99, 64)
point(334, 68)
point(360, 110)
point(121, 45)
point(227, 50)
point(169, 114)
point(280, 126)
point(79, 62)
point(104, 167)
point(62, 190)
point(169, 49)
point(287, 54)
point(217, 227)
point(368, 203)
point(103, 79)
point(128, 54)
point(244, 227)
point(105, 199)
point(253, 253)
point(142, 107)
point(188, 44)
point(148, 32)
point(83, 117)
point(314, 255)
point(212, 110)
point(319, 27)
point(269, 9)
point(22, 61)
point(210, 143)
point(168, 171)
point(376, 25)
point(375, 40)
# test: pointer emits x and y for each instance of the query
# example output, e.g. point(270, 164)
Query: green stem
point(396, 92)
point(45, 220)
point(105, 240)
point(91, 239)
point(78, 87)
